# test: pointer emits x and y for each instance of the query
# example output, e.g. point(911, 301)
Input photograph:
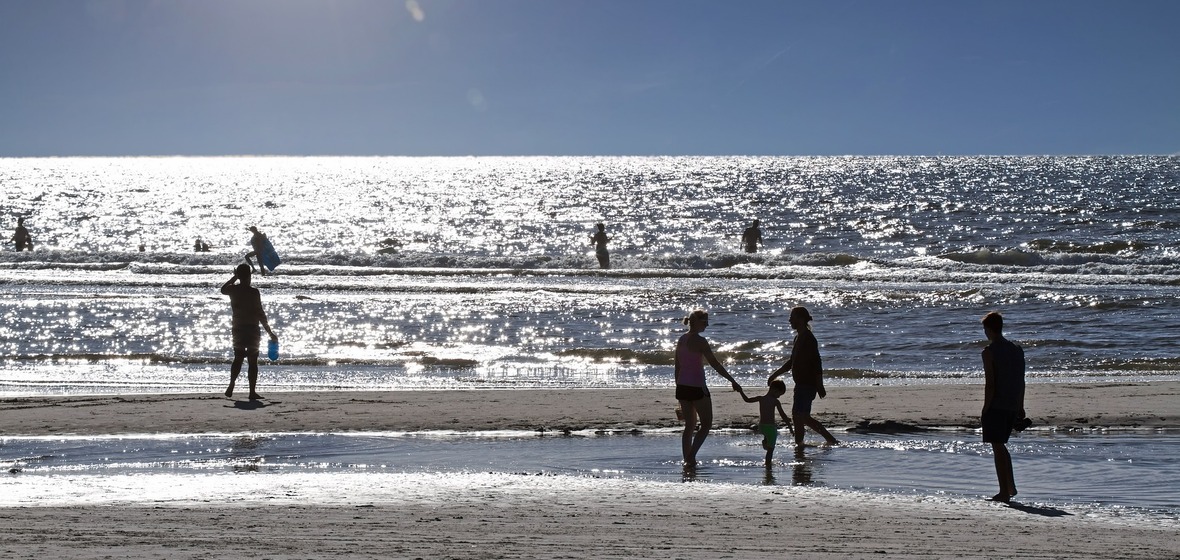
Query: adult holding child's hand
point(692, 352)
point(806, 370)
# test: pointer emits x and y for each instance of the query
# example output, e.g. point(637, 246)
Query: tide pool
point(1117, 474)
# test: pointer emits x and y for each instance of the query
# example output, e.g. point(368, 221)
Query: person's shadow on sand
point(1039, 510)
point(250, 405)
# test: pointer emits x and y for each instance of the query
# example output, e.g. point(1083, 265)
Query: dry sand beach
point(523, 516)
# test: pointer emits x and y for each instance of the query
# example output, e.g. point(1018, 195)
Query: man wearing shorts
point(246, 303)
point(1003, 399)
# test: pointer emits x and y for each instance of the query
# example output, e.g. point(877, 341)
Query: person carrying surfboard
point(258, 242)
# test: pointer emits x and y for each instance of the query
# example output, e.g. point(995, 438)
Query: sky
point(588, 77)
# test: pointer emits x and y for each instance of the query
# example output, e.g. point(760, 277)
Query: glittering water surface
point(1065, 473)
point(441, 272)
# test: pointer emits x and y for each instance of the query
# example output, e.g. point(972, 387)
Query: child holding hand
point(767, 404)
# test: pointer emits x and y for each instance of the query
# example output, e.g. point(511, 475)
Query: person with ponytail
point(692, 352)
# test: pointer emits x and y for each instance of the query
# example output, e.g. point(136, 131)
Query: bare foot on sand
point(1002, 497)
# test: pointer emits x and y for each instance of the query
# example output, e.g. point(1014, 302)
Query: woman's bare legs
point(698, 420)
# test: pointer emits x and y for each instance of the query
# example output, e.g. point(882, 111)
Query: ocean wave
point(624, 355)
point(1090, 259)
point(378, 263)
point(1169, 365)
point(319, 272)
point(858, 373)
point(1111, 247)
point(163, 358)
point(989, 256)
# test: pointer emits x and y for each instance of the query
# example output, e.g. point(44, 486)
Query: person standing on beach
point(1003, 398)
point(599, 240)
point(807, 371)
point(692, 352)
point(22, 239)
point(752, 238)
point(256, 241)
point(246, 304)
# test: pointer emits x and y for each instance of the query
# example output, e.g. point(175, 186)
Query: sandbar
point(1144, 405)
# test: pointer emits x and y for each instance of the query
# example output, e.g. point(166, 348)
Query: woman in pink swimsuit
point(692, 351)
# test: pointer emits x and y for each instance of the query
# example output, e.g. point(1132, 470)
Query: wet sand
point(1084, 405)
point(522, 516)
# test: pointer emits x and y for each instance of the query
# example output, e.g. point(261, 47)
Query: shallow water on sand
point(1079, 473)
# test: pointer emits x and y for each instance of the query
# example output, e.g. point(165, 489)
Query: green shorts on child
point(770, 432)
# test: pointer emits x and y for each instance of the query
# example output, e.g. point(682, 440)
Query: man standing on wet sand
point(807, 371)
point(1003, 398)
point(246, 303)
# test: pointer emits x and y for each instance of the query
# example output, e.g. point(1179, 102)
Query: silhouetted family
point(1003, 403)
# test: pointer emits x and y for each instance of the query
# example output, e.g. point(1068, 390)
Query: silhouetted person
point(808, 372)
point(599, 240)
point(256, 242)
point(22, 239)
point(767, 405)
point(246, 303)
point(692, 352)
point(752, 238)
point(200, 246)
point(1003, 398)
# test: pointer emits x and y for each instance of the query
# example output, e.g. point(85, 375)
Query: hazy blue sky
point(572, 77)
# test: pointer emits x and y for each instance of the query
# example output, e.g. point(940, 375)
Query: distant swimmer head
point(253, 229)
point(243, 271)
point(698, 316)
point(601, 225)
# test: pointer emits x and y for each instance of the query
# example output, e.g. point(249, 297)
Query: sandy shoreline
point(522, 516)
point(1081, 405)
point(470, 516)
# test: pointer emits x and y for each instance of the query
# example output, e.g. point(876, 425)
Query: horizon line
point(505, 156)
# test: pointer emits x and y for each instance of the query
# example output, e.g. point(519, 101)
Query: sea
point(478, 272)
